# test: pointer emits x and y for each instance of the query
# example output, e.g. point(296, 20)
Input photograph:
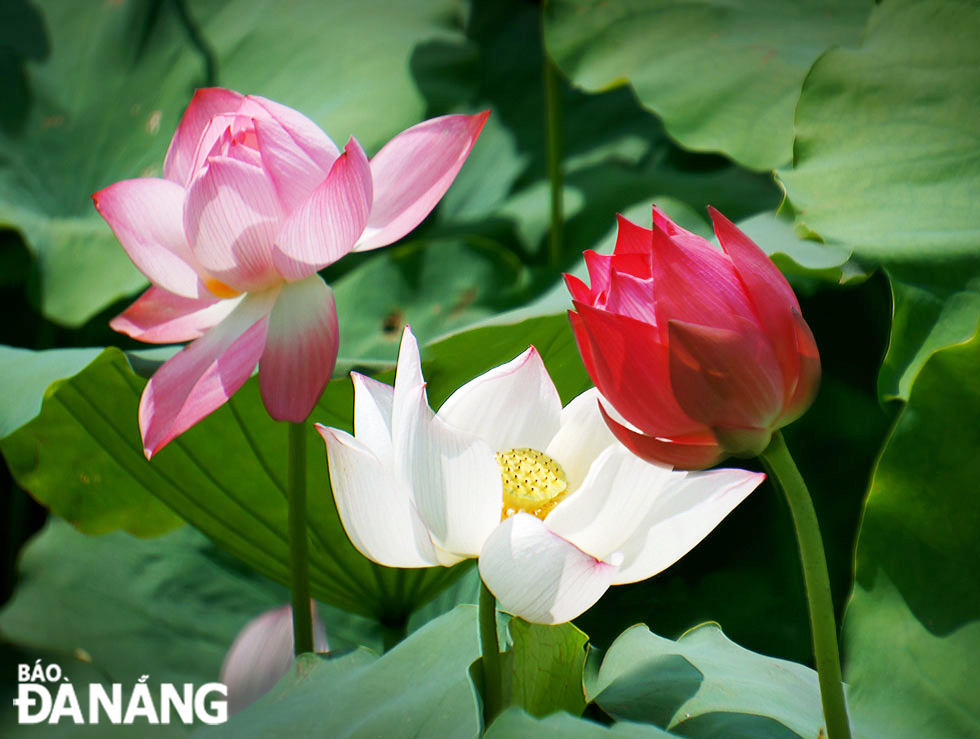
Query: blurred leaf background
point(841, 135)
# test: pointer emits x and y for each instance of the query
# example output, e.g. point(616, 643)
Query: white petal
point(454, 477)
point(408, 378)
point(685, 513)
point(374, 505)
point(582, 436)
point(372, 416)
point(512, 406)
point(537, 575)
point(618, 492)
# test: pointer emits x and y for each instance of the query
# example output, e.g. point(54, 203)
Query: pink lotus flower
point(262, 654)
point(255, 199)
point(698, 353)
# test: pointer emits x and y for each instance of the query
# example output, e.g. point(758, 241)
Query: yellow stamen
point(220, 289)
point(533, 482)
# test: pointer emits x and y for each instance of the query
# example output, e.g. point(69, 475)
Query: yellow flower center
point(220, 289)
point(533, 482)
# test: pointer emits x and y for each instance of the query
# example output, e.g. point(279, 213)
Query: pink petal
point(724, 378)
point(537, 575)
point(293, 173)
point(205, 104)
point(694, 452)
point(159, 317)
point(327, 224)
point(198, 380)
point(146, 215)
point(767, 290)
point(232, 218)
point(413, 171)
point(306, 135)
point(300, 351)
point(631, 369)
point(262, 653)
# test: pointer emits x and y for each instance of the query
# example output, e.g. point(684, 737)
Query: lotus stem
point(299, 555)
point(781, 467)
point(492, 687)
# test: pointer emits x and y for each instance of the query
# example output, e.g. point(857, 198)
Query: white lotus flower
point(555, 508)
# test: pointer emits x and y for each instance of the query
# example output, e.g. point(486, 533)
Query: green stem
point(299, 556)
point(492, 688)
point(779, 463)
point(552, 95)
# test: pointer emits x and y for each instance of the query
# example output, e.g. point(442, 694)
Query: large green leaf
point(26, 375)
point(82, 456)
point(516, 724)
point(912, 630)
point(104, 85)
point(614, 151)
point(420, 688)
point(54, 457)
point(705, 685)
point(887, 162)
point(169, 606)
point(99, 106)
point(724, 77)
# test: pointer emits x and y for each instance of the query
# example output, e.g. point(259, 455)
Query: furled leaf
point(546, 668)
point(705, 685)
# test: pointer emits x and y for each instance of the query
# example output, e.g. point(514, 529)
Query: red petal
point(768, 292)
point(695, 452)
point(696, 282)
point(724, 378)
point(630, 238)
point(578, 289)
point(632, 371)
point(800, 395)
